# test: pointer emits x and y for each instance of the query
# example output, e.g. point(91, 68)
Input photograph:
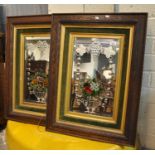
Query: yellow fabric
point(21, 136)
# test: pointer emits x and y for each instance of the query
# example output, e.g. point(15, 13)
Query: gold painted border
point(97, 26)
point(22, 64)
point(112, 119)
point(122, 129)
point(15, 29)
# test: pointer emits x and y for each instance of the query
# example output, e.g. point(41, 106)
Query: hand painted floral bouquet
point(91, 88)
point(39, 82)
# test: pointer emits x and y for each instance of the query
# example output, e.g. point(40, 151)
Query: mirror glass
point(94, 75)
point(37, 51)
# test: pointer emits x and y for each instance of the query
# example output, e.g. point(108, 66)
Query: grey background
point(19, 10)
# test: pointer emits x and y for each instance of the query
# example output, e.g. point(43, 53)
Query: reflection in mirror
point(37, 51)
point(94, 75)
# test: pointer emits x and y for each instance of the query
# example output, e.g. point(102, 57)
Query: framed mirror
point(96, 79)
point(28, 67)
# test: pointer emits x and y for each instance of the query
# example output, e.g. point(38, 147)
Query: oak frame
point(2, 89)
point(2, 83)
point(54, 122)
point(13, 23)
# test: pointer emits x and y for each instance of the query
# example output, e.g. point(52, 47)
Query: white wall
point(79, 8)
point(146, 123)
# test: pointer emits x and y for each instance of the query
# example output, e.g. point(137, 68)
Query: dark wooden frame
point(2, 90)
point(11, 21)
point(2, 47)
point(2, 84)
point(139, 21)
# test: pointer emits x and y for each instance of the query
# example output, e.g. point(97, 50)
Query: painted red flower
point(88, 90)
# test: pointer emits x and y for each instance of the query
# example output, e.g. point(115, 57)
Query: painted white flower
point(30, 46)
point(38, 54)
point(108, 51)
point(107, 74)
point(81, 49)
point(94, 86)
